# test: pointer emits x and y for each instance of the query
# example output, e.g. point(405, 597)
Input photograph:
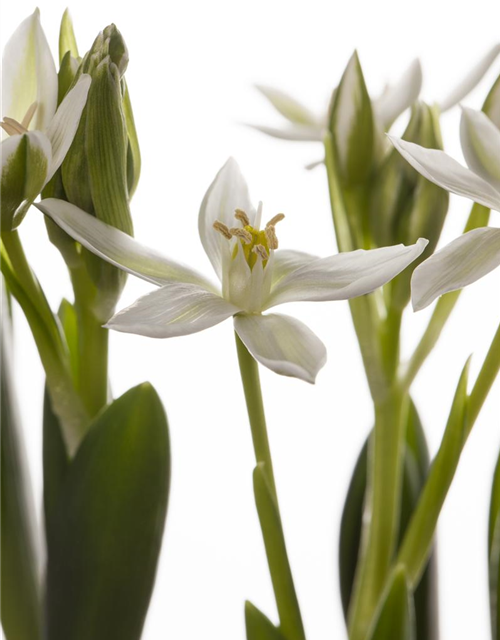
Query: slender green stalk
point(484, 381)
point(267, 501)
point(380, 534)
point(48, 339)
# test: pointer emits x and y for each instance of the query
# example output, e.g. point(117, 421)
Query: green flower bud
point(352, 125)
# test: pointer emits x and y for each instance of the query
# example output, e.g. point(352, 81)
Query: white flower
point(39, 135)
point(477, 252)
point(254, 277)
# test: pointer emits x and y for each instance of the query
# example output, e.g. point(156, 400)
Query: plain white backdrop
point(192, 67)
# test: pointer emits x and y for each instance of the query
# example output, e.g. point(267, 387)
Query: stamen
point(223, 229)
point(14, 124)
point(260, 250)
point(29, 115)
point(277, 218)
point(243, 234)
point(240, 215)
point(8, 129)
point(272, 239)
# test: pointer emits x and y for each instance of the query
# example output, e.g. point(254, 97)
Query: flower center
point(13, 127)
point(255, 242)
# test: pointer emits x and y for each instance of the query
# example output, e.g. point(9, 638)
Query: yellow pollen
point(274, 221)
point(240, 215)
point(223, 229)
point(244, 235)
point(272, 238)
point(261, 251)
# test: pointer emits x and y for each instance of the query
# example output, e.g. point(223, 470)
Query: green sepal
point(415, 469)
point(352, 125)
point(67, 39)
point(133, 151)
point(111, 509)
point(258, 626)
point(396, 616)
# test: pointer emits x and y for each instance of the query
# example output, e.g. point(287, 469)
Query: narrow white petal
point(399, 96)
point(283, 344)
point(228, 192)
point(29, 74)
point(460, 263)
point(62, 128)
point(471, 79)
point(117, 247)
point(286, 261)
point(177, 309)
point(447, 173)
point(289, 108)
point(480, 140)
point(296, 132)
point(247, 288)
point(345, 275)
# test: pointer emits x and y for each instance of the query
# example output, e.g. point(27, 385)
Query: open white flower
point(477, 252)
point(39, 136)
point(254, 277)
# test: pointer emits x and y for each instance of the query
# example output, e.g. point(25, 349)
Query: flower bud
point(352, 125)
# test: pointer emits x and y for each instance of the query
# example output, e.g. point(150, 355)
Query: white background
point(192, 67)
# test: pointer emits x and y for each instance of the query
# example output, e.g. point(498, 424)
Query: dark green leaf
point(258, 626)
point(396, 617)
point(106, 530)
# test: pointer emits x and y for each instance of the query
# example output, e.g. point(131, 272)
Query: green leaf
point(20, 603)
point(274, 540)
point(106, 530)
point(396, 617)
point(494, 553)
point(258, 626)
point(416, 463)
point(67, 40)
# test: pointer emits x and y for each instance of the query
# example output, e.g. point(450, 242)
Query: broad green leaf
point(279, 567)
point(494, 553)
point(67, 40)
point(415, 469)
point(396, 617)
point(106, 529)
point(258, 626)
point(417, 542)
point(21, 599)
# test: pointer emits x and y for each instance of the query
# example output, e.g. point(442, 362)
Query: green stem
point(390, 330)
point(48, 338)
point(484, 381)
point(270, 518)
point(380, 533)
point(93, 345)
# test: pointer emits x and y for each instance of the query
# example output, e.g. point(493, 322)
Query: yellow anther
point(243, 234)
point(272, 238)
point(240, 215)
point(29, 115)
point(223, 229)
point(260, 250)
point(277, 218)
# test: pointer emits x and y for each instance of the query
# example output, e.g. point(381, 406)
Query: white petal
point(345, 275)
point(247, 288)
point(480, 140)
point(471, 80)
point(228, 192)
point(289, 108)
point(177, 309)
point(460, 263)
point(283, 344)
point(29, 74)
point(297, 132)
point(64, 124)
point(117, 247)
point(447, 173)
point(286, 261)
point(400, 96)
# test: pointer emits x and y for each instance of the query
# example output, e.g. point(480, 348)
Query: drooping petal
point(177, 309)
point(480, 140)
point(117, 247)
point(345, 275)
point(228, 192)
point(62, 128)
point(460, 263)
point(296, 133)
point(289, 107)
point(447, 173)
point(283, 344)
point(471, 79)
point(26, 160)
point(29, 74)
point(399, 96)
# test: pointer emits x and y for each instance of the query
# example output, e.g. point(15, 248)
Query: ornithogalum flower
point(477, 252)
point(38, 135)
point(254, 277)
